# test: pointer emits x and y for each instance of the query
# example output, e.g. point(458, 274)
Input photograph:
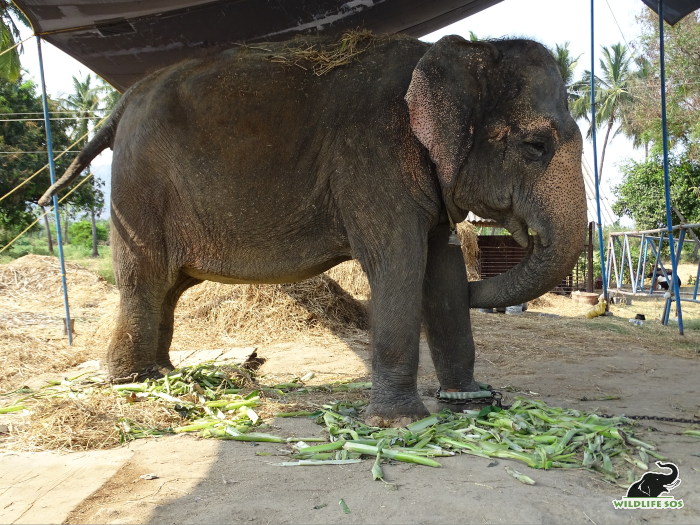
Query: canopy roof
point(674, 10)
point(125, 40)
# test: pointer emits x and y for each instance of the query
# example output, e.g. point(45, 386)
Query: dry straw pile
point(210, 315)
point(86, 423)
point(31, 317)
point(262, 313)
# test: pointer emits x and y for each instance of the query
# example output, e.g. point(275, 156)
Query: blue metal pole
point(667, 185)
point(595, 158)
point(52, 171)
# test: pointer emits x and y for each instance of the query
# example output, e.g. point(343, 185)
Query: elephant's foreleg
point(167, 319)
point(446, 314)
point(396, 297)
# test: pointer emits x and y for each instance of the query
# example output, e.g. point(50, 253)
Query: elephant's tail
point(100, 142)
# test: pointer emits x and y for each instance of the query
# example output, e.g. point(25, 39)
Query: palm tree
point(84, 102)
point(10, 67)
point(632, 125)
point(611, 93)
point(567, 65)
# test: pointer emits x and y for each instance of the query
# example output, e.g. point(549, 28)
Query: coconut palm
point(567, 65)
point(611, 93)
point(10, 67)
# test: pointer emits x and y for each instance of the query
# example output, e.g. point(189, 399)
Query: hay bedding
point(210, 315)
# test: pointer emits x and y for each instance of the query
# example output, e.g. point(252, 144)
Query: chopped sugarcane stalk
point(522, 478)
point(391, 454)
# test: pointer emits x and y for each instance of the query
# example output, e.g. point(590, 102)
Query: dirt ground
point(560, 358)
point(202, 481)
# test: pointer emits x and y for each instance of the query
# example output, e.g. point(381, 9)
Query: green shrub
point(81, 233)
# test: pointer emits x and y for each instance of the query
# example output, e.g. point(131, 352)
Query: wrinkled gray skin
point(237, 169)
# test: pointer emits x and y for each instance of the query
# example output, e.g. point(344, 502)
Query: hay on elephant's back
point(321, 58)
point(261, 313)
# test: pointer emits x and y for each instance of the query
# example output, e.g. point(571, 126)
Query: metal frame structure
point(667, 191)
point(620, 258)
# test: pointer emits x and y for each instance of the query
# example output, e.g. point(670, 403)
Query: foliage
point(682, 66)
point(567, 65)
point(81, 233)
point(10, 67)
point(17, 210)
point(641, 193)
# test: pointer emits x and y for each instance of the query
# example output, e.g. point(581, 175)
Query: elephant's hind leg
point(167, 320)
point(143, 280)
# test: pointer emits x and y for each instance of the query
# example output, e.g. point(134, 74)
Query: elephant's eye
point(534, 148)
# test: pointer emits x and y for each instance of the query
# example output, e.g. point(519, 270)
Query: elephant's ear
point(443, 98)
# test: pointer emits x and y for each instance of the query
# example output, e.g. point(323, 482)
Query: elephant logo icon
point(654, 484)
point(651, 491)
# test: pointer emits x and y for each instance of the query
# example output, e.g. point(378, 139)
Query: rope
point(58, 157)
point(46, 213)
point(17, 44)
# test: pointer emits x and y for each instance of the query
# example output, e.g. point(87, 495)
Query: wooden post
point(589, 283)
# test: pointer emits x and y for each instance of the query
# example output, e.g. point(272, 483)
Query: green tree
point(84, 102)
point(611, 93)
point(641, 195)
point(9, 33)
point(682, 59)
point(23, 152)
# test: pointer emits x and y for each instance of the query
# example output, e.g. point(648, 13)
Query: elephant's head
point(495, 121)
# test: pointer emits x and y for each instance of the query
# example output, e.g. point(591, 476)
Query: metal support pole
point(667, 185)
point(52, 171)
point(595, 157)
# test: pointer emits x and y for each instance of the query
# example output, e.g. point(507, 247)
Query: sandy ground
point(202, 481)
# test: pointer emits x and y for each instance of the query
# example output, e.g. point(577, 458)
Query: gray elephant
point(238, 169)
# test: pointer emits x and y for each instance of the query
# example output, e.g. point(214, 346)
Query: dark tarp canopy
point(125, 40)
point(674, 10)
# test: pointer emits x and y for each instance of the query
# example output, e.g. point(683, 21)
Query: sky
point(547, 21)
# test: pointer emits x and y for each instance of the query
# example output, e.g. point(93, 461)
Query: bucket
point(514, 310)
point(584, 298)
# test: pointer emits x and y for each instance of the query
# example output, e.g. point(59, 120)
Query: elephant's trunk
point(670, 478)
point(555, 208)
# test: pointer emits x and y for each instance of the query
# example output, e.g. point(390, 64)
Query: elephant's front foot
point(394, 411)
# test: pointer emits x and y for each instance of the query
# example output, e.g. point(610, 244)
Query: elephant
point(238, 169)
point(653, 484)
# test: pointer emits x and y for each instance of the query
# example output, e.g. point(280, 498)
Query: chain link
point(497, 397)
point(660, 418)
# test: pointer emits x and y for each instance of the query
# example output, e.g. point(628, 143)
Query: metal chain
point(497, 397)
point(660, 418)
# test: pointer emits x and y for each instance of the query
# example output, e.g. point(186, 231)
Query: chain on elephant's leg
point(446, 314)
